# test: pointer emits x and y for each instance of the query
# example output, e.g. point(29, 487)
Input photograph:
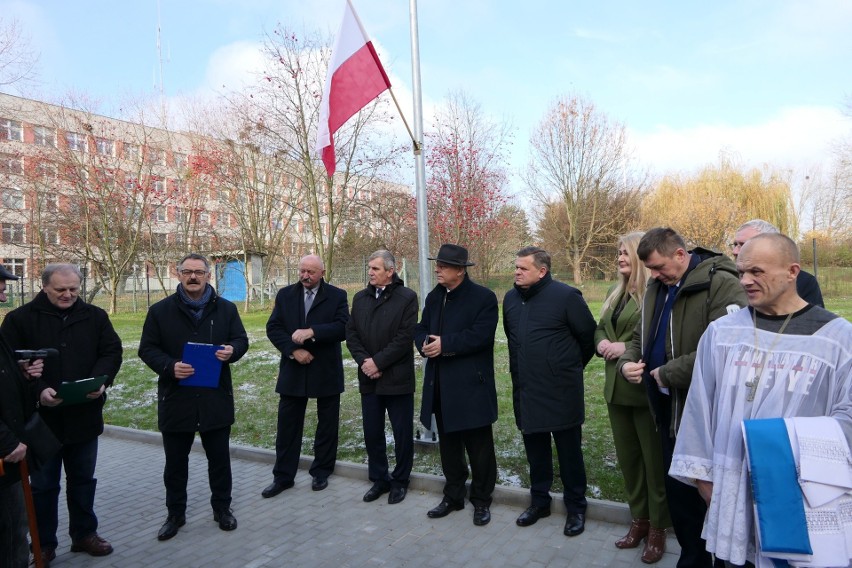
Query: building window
point(46, 170)
point(158, 186)
point(180, 161)
point(11, 164)
point(204, 219)
point(76, 141)
point(156, 156)
point(44, 136)
point(13, 233)
point(13, 198)
point(132, 152)
point(160, 240)
point(15, 266)
point(49, 236)
point(11, 130)
point(105, 147)
point(50, 202)
point(158, 214)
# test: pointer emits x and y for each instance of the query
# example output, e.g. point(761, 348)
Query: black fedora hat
point(452, 254)
point(5, 274)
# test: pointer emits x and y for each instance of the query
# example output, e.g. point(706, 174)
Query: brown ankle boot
point(655, 546)
point(638, 531)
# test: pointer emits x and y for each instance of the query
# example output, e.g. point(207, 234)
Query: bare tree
point(580, 161)
point(282, 111)
point(17, 59)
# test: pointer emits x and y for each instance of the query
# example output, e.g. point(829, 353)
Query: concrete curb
point(598, 509)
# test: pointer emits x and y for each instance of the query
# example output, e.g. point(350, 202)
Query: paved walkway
point(331, 528)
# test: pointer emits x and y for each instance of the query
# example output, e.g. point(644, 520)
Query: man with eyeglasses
point(194, 314)
point(807, 286)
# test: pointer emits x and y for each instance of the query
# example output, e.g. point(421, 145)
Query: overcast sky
point(764, 79)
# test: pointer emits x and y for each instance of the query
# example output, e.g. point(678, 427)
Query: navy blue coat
point(328, 316)
point(466, 363)
point(551, 338)
point(168, 327)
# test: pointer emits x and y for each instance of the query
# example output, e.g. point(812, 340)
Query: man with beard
point(194, 313)
point(307, 326)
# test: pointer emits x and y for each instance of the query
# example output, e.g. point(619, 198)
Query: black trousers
point(176, 473)
point(479, 445)
point(291, 427)
point(686, 506)
point(400, 411)
point(572, 468)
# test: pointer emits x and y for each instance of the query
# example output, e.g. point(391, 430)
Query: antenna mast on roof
point(160, 59)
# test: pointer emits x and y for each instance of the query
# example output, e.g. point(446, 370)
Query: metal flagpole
point(431, 435)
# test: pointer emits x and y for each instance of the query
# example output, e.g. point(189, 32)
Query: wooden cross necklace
point(752, 384)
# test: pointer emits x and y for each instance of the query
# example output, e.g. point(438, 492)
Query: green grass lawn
point(132, 403)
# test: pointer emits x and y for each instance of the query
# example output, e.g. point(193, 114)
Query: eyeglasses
point(197, 273)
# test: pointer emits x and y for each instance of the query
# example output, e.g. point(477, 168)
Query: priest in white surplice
point(782, 357)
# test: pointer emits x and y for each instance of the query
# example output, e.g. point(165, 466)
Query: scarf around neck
point(196, 306)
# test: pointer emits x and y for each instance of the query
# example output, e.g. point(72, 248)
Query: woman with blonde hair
point(637, 445)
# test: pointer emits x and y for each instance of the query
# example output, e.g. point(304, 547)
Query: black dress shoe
point(319, 483)
point(378, 489)
point(481, 515)
point(171, 526)
point(226, 519)
point(397, 494)
point(444, 508)
point(532, 514)
point(276, 487)
point(575, 524)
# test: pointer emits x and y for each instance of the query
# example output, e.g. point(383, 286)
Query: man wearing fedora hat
point(456, 335)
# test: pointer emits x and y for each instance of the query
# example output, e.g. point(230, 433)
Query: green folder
point(74, 392)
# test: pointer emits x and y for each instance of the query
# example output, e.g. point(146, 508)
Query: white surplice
point(805, 375)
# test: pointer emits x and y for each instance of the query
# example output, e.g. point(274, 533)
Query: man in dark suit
point(379, 335)
point(307, 325)
point(456, 335)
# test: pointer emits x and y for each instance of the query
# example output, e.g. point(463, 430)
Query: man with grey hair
point(88, 346)
point(806, 285)
point(379, 336)
point(194, 313)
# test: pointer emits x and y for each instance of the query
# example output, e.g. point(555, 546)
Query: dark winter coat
point(465, 366)
point(328, 316)
point(168, 327)
point(17, 404)
point(707, 292)
point(550, 332)
point(88, 347)
point(383, 329)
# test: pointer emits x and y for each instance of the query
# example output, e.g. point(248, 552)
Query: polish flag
point(355, 77)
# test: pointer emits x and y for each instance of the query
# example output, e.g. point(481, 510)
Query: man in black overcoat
point(379, 336)
point(196, 314)
point(550, 332)
point(456, 335)
point(87, 346)
point(307, 326)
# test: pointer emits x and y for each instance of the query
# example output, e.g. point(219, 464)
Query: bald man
point(307, 325)
point(781, 357)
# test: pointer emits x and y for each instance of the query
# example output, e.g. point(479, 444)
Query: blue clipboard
point(202, 358)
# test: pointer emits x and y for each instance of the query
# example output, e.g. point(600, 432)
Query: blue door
point(232, 280)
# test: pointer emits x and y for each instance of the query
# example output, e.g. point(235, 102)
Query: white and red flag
point(355, 77)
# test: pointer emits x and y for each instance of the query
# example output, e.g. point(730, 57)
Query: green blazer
point(617, 390)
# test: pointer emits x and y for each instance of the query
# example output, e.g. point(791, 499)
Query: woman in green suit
point(637, 444)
